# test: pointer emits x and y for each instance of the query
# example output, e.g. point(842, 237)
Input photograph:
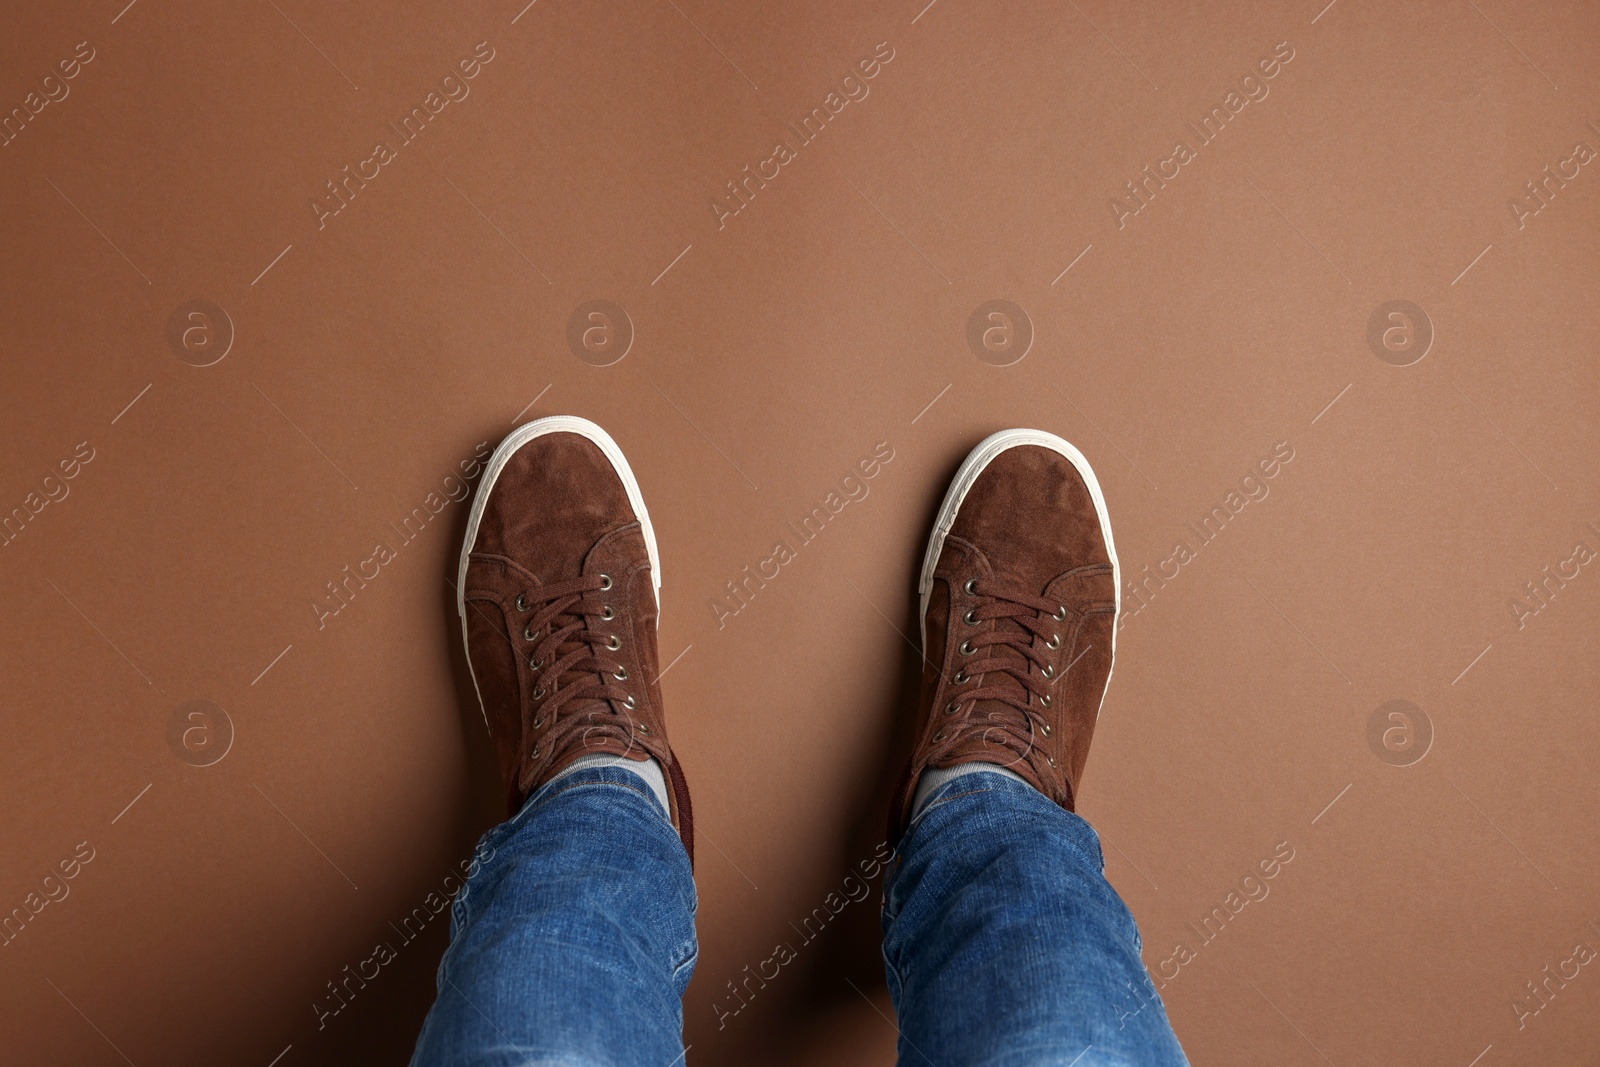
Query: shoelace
point(1003, 656)
point(571, 665)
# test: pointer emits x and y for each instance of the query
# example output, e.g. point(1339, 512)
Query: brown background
point(377, 352)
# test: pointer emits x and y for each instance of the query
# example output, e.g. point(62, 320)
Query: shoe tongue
point(576, 676)
point(1017, 569)
point(1011, 656)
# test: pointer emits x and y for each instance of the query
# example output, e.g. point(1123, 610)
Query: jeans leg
point(1005, 944)
point(573, 941)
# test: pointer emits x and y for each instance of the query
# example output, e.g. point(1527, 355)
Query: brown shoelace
point(1005, 657)
point(572, 669)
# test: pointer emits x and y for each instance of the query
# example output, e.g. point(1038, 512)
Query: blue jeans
point(573, 940)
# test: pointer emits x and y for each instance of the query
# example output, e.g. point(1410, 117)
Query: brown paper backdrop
point(337, 772)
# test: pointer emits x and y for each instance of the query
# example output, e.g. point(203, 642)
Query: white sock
point(648, 769)
point(934, 777)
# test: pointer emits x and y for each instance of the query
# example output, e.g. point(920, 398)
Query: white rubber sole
point(497, 463)
point(975, 463)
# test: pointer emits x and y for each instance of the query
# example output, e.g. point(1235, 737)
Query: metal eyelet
point(614, 642)
point(966, 648)
point(952, 707)
point(1054, 642)
point(971, 586)
point(527, 633)
point(534, 664)
point(606, 612)
point(605, 582)
point(1046, 700)
point(642, 728)
point(961, 678)
point(1045, 729)
point(630, 702)
point(1048, 671)
point(537, 723)
point(538, 692)
point(1061, 614)
point(533, 753)
point(522, 605)
point(621, 674)
point(971, 617)
point(1050, 760)
point(940, 736)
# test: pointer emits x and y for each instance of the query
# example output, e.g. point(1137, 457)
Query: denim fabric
point(1006, 946)
point(573, 942)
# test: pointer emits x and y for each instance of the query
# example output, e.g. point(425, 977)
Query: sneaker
point(558, 593)
point(1020, 592)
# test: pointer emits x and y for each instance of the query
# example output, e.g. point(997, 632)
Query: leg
point(1005, 944)
point(574, 939)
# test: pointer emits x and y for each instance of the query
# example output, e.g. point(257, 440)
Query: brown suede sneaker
point(1020, 593)
point(558, 594)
